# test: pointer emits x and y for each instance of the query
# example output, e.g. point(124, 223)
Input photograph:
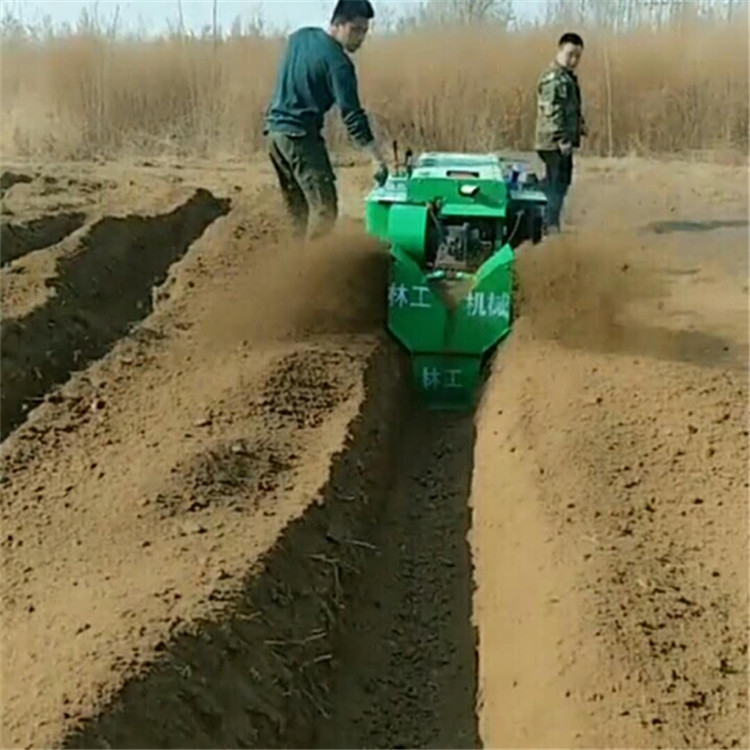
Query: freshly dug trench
point(354, 630)
point(19, 239)
point(407, 660)
point(9, 179)
point(100, 292)
point(258, 676)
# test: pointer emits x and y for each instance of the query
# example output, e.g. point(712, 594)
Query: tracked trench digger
point(453, 223)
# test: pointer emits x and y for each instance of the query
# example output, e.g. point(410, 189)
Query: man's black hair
point(570, 38)
point(347, 10)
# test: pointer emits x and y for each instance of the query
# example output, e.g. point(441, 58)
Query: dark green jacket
point(559, 109)
point(315, 74)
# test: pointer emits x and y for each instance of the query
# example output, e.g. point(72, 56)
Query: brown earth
point(610, 486)
point(225, 524)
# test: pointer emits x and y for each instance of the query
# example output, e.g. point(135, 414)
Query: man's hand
point(565, 148)
point(381, 173)
point(378, 162)
point(380, 168)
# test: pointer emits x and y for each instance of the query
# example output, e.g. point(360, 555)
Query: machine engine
point(461, 246)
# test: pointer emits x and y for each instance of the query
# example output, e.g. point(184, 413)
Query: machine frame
point(453, 222)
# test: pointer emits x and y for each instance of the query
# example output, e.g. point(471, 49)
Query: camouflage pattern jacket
point(559, 109)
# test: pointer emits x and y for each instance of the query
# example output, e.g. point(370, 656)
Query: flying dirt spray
point(453, 222)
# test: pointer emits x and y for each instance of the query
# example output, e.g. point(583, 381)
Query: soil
point(225, 523)
point(417, 688)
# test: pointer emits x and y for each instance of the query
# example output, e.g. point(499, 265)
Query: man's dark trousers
point(559, 175)
point(307, 182)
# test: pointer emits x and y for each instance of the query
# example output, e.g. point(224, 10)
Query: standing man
point(316, 73)
point(559, 124)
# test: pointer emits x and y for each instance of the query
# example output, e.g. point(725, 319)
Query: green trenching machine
point(453, 223)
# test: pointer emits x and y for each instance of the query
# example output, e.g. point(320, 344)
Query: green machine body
point(452, 223)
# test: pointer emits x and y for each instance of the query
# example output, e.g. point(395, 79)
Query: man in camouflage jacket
point(559, 124)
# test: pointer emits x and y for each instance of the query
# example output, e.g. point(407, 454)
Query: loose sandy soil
point(225, 524)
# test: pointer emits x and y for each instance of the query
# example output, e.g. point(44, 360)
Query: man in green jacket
point(316, 73)
point(559, 124)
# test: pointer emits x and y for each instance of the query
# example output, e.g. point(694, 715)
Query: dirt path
point(224, 524)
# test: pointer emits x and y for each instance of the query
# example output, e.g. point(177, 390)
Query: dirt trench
point(100, 292)
point(19, 239)
point(354, 630)
point(379, 565)
point(8, 179)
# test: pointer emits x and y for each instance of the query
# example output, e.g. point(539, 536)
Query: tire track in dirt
point(100, 292)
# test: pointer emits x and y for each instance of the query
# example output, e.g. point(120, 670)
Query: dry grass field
point(91, 94)
point(224, 521)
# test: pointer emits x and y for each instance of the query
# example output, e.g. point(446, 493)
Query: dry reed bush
point(453, 89)
point(463, 89)
point(645, 92)
point(82, 96)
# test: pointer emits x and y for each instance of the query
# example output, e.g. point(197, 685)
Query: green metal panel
point(423, 189)
point(376, 219)
point(407, 228)
point(474, 211)
point(444, 381)
point(463, 317)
